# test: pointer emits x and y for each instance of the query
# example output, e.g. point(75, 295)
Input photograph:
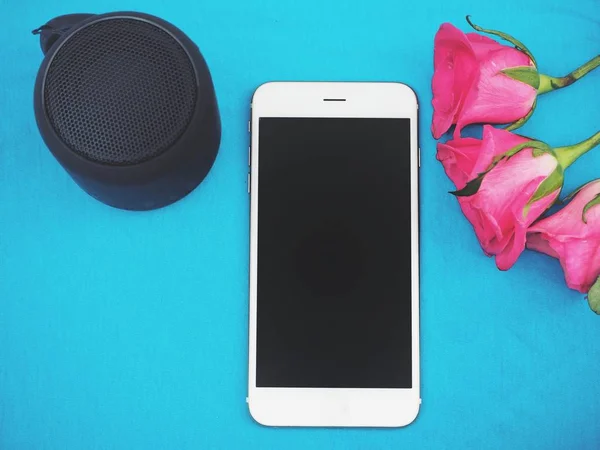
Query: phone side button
point(248, 182)
point(419, 157)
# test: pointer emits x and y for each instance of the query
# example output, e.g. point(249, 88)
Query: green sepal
point(471, 187)
point(593, 202)
point(593, 296)
point(525, 74)
point(590, 204)
point(519, 123)
point(539, 148)
point(507, 37)
point(509, 153)
point(569, 197)
point(548, 186)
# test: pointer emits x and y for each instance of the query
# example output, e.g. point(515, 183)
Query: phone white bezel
point(339, 407)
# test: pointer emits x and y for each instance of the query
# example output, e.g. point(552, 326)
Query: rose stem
point(568, 155)
point(548, 83)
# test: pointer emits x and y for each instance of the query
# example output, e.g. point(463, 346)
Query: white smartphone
point(334, 255)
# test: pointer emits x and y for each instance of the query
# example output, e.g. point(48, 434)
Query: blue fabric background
point(124, 330)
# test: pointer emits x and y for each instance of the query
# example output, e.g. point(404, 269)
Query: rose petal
point(536, 242)
point(458, 156)
point(497, 98)
point(455, 69)
point(575, 243)
point(482, 45)
point(567, 222)
point(581, 263)
point(511, 252)
point(496, 210)
point(495, 142)
point(511, 182)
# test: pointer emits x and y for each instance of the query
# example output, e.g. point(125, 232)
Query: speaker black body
point(125, 102)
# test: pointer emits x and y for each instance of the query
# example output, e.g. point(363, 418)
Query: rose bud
point(513, 181)
point(478, 80)
point(572, 235)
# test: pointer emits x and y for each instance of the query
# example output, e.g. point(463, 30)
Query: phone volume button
point(248, 183)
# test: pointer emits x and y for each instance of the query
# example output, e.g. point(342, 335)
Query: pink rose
point(469, 86)
point(575, 243)
point(465, 158)
point(500, 204)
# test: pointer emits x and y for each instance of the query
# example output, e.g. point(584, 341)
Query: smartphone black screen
point(334, 253)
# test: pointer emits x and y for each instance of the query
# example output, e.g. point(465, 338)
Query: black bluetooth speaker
point(125, 102)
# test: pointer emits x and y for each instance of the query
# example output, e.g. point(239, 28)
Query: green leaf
point(525, 74)
point(546, 187)
point(593, 202)
point(593, 297)
point(471, 187)
point(519, 123)
point(507, 37)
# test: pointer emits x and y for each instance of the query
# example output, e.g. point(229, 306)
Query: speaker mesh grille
point(120, 91)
